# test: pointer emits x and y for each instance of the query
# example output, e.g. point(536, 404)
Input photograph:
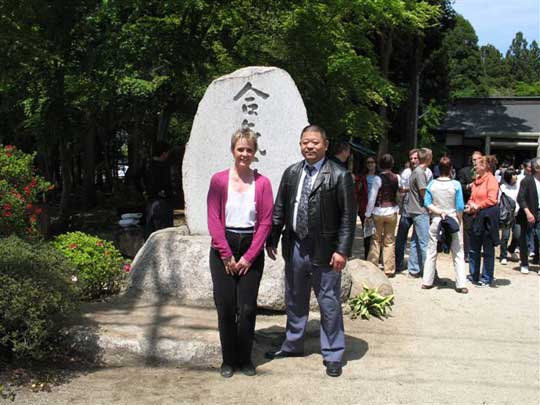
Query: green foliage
point(35, 298)
point(428, 121)
point(20, 189)
point(370, 303)
point(527, 89)
point(484, 71)
point(99, 266)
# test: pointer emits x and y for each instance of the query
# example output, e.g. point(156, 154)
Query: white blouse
point(240, 208)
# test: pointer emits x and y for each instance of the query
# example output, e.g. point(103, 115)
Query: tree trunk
point(67, 181)
point(413, 99)
point(135, 161)
point(164, 120)
point(385, 51)
point(89, 165)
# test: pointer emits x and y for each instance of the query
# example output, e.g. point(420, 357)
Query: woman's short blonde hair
point(244, 133)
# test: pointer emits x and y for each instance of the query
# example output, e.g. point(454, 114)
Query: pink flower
point(127, 268)
point(73, 246)
point(99, 243)
point(9, 147)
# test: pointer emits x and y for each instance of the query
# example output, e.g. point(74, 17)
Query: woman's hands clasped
point(232, 267)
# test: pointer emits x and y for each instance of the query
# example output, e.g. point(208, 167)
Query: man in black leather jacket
point(316, 209)
point(529, 214)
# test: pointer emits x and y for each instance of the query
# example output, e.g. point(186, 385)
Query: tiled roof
point(506, 115)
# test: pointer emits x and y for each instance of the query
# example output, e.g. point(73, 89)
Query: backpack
point(507, 207)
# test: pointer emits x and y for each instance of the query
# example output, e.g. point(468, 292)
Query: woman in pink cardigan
point(240, 203)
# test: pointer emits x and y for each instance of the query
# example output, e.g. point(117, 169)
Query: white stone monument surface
point(264, 99)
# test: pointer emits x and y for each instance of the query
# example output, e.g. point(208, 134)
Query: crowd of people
point(467, 213)
point(314, 216)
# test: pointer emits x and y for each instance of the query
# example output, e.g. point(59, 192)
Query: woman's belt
point(239, 230)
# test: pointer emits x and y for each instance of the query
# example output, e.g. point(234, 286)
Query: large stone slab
point(131, 332)
point(174, 265)
point(263, 98)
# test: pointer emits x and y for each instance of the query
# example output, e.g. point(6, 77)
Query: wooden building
point(508, 127)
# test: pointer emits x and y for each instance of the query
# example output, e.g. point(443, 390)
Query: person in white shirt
point(510, 187)
point(444, 200)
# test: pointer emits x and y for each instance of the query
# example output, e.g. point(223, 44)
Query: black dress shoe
point(280, 354)
point(333, 368)
point(248, 369)
point(226, 371)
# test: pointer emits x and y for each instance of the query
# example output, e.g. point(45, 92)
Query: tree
point(464, 60)
point(518, 60)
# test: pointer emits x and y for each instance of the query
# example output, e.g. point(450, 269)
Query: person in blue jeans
point(405, 221)
point(418, 213)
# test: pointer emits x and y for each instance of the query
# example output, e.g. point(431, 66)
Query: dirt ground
point(437, 347)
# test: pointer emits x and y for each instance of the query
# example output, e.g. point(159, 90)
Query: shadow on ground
point(272, 337)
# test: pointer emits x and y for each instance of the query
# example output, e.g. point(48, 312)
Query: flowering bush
point(99, 266)
point(19, 191)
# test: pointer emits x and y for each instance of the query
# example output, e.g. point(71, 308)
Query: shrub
point(99, 266)
point(20, 188)
point(36, 296)
point(370, 302)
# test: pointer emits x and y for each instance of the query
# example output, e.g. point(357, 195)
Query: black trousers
point(159, 215)
point(236, 301)
point(467, 224)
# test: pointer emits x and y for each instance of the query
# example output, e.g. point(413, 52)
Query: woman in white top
point(510, 187)
point(383, 207)
point(239, 206)
point(444, 200)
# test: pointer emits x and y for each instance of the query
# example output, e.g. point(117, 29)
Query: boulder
point(366, 273)
point(129, 240)
point(264, 99)
point(174, 265)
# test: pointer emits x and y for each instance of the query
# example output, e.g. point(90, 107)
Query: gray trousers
point(300, 276)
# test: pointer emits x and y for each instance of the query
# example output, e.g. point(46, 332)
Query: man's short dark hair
point(445, 166)
point(314, 128)
point(386, 162)
point(160, 147)
point(340, 146)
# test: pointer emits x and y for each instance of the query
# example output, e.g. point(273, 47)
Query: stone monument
point(167, 315)
point(264, 99)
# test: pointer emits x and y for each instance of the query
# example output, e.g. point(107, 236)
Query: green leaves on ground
point(370, 303)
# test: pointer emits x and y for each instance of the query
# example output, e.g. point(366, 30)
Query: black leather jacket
point(332, 212)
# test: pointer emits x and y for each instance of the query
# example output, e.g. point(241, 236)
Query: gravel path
point(438, 347)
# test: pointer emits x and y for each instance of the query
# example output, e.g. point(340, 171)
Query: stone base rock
point(129, 240)
point(171, 264)
point(127, 332)
point(366, 273)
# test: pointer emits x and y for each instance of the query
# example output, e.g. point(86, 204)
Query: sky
point(497, 21)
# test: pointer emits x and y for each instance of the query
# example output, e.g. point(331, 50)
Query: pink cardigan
point(216, 200)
